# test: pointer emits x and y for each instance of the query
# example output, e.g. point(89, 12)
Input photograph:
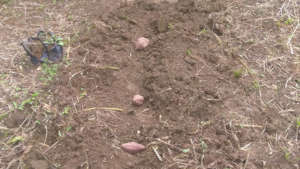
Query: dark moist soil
point(185, 75)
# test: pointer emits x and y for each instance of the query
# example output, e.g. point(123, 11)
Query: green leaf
point(68, 128)
point(15, 140)
point(60, 43)
point(186, 150)
point(35, 94)
point(66, 110)
point(15, 105)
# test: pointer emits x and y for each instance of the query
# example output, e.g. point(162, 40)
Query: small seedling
point(298, 122)
point(256, 84)
point(238, 73)
point(171, 26)
point(186, 150)
point(69, 128)
point(15, 140)
point(83, 93)
point(49, 71)
point(38, 122)
point(202, 31)
point(26, 102)
point(17, 89)
point(189, 52)
point(289, 21)
point(66, 110)
point(287, 155)
point(15, 105)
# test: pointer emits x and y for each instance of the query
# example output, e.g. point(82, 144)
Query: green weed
point(238, 73)
point(28, 101)
point(83, 93)
point(69, 128)
point(15, 140)
point(171, 26)
point(66, 110)
point(49, 72)
point(289, 21)
point(255, 84)
point(189, 52)
point(202, 31)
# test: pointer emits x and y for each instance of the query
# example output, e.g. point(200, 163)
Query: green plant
point(25, 102)
point(69, 128)
point(189, 52)
point(289, 21)
point(287, 155)
point(49, 71)
point(255, 84)
point(15, 140)
point(66, 110)
point(171, 26)
point(83, 93)
point(238, 73)
point(202, 31)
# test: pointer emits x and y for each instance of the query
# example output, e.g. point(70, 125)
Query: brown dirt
point(197, 111)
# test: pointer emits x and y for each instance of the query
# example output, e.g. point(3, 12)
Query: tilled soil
point(199, 110)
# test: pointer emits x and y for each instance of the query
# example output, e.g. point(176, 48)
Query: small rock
point(133, 147)
point(141, 43)
point(138, 100)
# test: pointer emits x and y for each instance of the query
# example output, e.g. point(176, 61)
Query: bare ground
point(220, 80)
